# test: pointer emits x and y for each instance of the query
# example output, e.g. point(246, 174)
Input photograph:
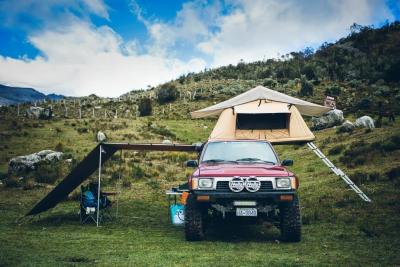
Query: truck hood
point(226, 170)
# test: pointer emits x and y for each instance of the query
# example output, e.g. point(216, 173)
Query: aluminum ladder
point(338, 172)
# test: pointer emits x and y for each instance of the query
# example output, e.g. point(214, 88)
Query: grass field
point(338, 228)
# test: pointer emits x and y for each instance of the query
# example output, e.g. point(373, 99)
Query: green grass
point(338, 228)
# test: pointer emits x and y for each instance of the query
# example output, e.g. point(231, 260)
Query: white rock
point(30, 162)
point(366, 122)
point(330, 119)
point(101, 137)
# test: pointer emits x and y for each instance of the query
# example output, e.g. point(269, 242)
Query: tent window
point(263, 121)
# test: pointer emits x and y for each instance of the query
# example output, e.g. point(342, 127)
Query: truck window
point(237, 150)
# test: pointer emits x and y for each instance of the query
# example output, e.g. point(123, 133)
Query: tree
point(167, 93)
point(306, 87)
point(145, 107)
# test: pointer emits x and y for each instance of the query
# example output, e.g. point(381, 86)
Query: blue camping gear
point(177, 214)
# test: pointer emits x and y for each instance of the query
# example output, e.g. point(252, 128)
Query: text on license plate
point(251, 212)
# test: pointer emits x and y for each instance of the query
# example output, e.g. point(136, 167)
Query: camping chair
point(88, 204)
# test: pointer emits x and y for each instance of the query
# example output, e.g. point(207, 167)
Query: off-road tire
point(290, 221)
point(194, 220)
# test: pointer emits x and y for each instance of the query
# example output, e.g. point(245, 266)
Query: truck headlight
point(283, 183)
point(205, 183)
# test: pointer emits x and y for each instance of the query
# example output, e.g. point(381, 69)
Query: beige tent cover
point(225, 129)
point(260, 92)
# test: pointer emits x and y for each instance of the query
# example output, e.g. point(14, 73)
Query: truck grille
point(223, 186)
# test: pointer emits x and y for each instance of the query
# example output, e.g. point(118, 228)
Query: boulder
point(346, 127)
point(30, 162)
point(331, 118)
point(101, 137)
point(166, 141)
point(366, 122)
point(39, 113)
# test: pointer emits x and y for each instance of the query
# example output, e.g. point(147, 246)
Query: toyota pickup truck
point(242, 179)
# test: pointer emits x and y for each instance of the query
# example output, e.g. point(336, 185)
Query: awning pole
point(119, 182)
point(98, 190)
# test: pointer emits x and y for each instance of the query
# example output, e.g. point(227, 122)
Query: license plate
point(246, 212)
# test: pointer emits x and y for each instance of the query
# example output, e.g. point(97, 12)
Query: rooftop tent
point(263, 114)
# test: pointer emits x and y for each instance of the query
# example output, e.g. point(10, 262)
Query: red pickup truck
point(242, 180)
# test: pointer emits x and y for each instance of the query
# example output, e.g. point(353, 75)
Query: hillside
point(14, 95)
point(361, 71)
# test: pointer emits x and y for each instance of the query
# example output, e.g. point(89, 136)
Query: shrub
point(167, 93)
point(137, 172)
point(12, 181)
point(335, 90)
point(29, 184)
point(58, 130)
point(153, 183)
point(82, 130)
point(59, 147)
point(145, 107)
point(48, 173)
point(306, 88)
point(336, 150)
point(126, 183)
point(394, 173)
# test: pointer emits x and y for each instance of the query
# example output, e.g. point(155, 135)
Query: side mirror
point(287, 162)
point(192, 163)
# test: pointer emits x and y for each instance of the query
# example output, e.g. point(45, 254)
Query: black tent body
point(90, 164)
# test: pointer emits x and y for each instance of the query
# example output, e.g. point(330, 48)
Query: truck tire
point(194, 224)
point(290, 223)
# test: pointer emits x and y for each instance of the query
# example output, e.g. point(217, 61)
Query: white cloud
point(49, 13)
point(263, 28)
point(81, 59)
point(190, 25)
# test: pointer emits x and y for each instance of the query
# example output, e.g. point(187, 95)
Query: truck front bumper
point(272, 196)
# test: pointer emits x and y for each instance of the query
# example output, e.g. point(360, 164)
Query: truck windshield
point(239, 151)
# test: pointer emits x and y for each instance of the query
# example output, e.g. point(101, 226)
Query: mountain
point(13, 95)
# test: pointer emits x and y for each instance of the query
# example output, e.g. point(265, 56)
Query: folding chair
point(88, 204)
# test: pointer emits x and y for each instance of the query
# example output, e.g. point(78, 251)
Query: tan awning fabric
point(257, 93)
point(262, 106)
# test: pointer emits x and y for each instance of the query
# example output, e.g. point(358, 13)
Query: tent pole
point(98, 190)
point(119, 182)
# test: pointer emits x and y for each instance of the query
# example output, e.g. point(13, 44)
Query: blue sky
point(110, 47)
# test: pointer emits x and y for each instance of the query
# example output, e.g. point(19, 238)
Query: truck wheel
point(290, 224)
point(194, 224)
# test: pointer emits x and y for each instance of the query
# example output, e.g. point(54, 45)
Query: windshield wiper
point(218, 161)
point(255, 160)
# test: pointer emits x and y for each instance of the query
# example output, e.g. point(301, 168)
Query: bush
point(29, 184)
point(126, 183)
point(48, 173)
point(167, 93)
point(82, 130)
point(306, 88)
point(335, 90)
point(137, 172)
point(336, 150)
point(59, 147)
point(359, 177)
point(394, 173)
point(145, 107)
point(12, 181)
